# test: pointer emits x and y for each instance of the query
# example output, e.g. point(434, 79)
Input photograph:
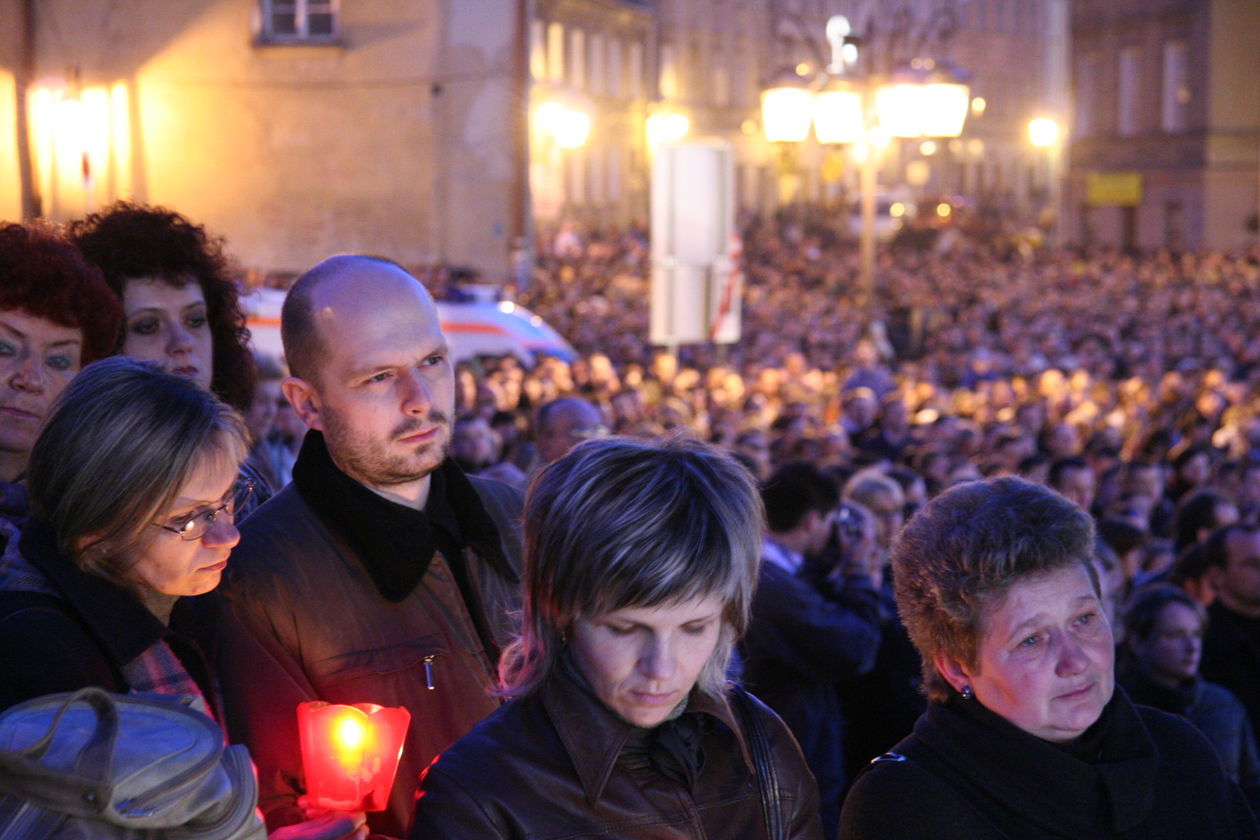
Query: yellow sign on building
point(1113, 189)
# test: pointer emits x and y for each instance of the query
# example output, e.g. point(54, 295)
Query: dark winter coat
point(802, 641)
point(558, 764)
point(1218, 715)
point(1231, 656)
point(334, 615)
point(969, 774)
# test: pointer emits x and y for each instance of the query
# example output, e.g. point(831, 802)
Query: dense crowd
point(972, 378)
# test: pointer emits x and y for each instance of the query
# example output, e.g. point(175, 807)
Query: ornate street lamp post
point(924, 98)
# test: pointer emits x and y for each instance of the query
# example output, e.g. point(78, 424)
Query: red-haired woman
point(56, 315)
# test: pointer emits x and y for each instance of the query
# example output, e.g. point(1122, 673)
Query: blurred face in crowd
point(38, 358)
point(473, 442)
point(171, 565)
point(1171, 654)
point(1147, 479)
point(643, 661)
point(1196, 471)
point(756, 447)
point(168, 324)
point(384, 392)
point(567, 425)
point(855, 529)
point(1077, 485)
point(1063, 441)
point(262, 411)
point(1045, 656)
point(1238, 584)
point(288, 423)
point(889, 513)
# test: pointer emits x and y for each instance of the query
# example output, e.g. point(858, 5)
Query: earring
point(967, 693)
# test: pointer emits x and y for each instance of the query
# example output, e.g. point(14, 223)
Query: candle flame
point(349, 732)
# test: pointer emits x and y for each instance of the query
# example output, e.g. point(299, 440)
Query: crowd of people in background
point(1127, 383)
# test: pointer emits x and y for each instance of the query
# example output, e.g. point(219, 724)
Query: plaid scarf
point(157, 670)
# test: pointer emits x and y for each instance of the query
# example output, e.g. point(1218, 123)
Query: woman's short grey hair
point(120, 443)
point(962, 552)
point(620, 523)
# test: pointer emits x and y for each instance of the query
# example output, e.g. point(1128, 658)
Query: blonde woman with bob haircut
point(640, 563)
point(133, 487)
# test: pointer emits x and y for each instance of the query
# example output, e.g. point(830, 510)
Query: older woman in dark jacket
point(640, 561)
point(1026, 735)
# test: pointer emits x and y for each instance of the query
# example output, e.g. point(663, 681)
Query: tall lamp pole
point(1043, 132)
point(924, 98)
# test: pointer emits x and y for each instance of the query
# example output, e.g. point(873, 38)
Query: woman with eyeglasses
point(133, 486)
point(132, 483)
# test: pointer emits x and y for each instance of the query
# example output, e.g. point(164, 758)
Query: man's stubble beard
point(365, 460)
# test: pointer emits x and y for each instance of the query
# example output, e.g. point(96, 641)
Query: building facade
point(1166, 145)
point(295, 128)
point(707, 61)
point(426, 130)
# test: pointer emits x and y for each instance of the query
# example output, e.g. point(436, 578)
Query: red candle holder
point(350, 753)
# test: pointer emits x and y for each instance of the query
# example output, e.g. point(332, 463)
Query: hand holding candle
point(350, 753)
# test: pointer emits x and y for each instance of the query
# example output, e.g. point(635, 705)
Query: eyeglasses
point(195, 526)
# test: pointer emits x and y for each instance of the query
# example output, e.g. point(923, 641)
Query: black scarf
point(1045, 785)
point(394, 542)
point(672, 748)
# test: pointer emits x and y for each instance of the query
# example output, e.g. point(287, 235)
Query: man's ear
point(955, 673)
point(305, 401)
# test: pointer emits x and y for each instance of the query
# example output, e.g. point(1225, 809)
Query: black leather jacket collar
point(595, 745)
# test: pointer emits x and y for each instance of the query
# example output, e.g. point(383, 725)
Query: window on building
point(1176, 91)
point(669, 72)
point(721, 86)
point(538, 49)
point(634, 70)
point(596, 175)
point(599, 52)
point(555, 52)
point(615, 86)
point(577, 163)
point(1086, 85)
point(740, 85)
point(298, 21)
point(696, 73)
point(577, 58)
point(614, 174)
point(1127, 92)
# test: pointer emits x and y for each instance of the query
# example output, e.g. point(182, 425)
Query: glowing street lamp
point(923, 100)
point(838, 113)
point(569, 127)
point(667, 127)
point(1043, 132)
point(787, 108)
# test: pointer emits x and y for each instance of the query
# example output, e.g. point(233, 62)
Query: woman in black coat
point(1026, 735)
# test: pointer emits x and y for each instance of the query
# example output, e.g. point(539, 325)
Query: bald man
point(382, 574)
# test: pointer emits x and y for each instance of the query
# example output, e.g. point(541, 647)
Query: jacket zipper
point(428, 671)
